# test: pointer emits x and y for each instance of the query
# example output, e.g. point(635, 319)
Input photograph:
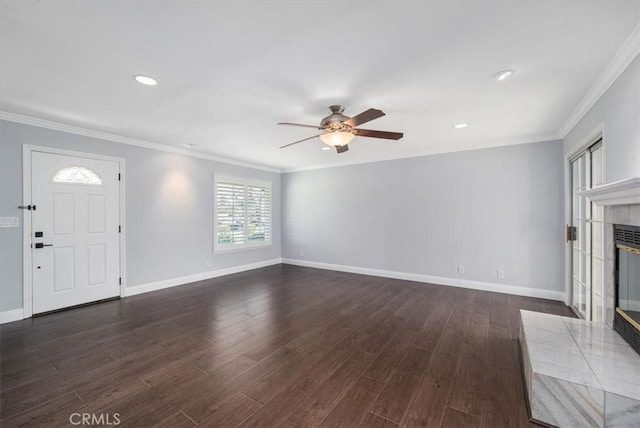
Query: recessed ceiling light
point(145, 80)
point(460, 125)
point(501, 75)
point(191, 146)
point(325, 148)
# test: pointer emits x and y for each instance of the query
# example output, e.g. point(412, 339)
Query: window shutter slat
point(243, 213)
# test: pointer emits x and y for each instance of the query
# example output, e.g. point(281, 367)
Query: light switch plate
point(9, 222)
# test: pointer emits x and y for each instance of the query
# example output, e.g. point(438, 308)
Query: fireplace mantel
point(623, 192)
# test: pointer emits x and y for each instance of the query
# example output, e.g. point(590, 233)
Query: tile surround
point(634, 214)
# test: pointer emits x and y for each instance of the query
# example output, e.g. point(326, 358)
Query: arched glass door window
point(77, 175)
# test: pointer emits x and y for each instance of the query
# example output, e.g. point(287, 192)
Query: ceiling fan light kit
point(337, 138)
point(340, 130)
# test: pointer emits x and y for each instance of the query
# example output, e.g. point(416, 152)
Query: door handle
point(41, 245)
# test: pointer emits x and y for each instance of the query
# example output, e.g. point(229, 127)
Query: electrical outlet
point(208, 263)
point(301, 252)
point(461, 270)
point(500, 274)
point(9, 222)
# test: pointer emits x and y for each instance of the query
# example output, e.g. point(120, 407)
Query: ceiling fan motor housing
point(334, 122)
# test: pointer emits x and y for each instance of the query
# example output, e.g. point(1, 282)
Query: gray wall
point(169, 205)
point(484, 209)
point(619, 111)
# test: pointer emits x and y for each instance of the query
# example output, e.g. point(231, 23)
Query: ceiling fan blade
point(342, 149)
point(364, 117)
point(299, 124)
point(299, 141)
point(379, 134)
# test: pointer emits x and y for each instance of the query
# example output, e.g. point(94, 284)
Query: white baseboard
point(17, 314)
point(173, 282)
point(440, 280)
point(11, 316)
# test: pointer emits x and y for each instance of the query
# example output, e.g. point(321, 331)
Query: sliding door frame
point(596, 134)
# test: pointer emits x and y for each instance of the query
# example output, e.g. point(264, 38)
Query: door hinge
point(119, 229)
point(120, 281)
point(572, 233)
point(119, 177)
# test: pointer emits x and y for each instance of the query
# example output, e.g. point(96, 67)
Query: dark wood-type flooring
point(280, 346)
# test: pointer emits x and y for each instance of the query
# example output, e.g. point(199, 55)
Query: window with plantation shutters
point(242, 213)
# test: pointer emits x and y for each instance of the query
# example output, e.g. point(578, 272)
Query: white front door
point(75, 241)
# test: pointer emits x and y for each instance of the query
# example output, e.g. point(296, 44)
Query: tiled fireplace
point(581, 373)
point(625, 214)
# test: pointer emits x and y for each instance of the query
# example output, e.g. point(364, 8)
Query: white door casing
point(79, 217)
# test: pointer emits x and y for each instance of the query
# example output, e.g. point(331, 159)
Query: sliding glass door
point(588, 223)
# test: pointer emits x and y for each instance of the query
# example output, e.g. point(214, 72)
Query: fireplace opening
point(627, 316)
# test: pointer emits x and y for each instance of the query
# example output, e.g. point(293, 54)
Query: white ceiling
point(228, 71)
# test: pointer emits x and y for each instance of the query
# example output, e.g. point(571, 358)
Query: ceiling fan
point(339, 129)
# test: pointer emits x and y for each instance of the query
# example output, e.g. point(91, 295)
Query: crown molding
point(623, 58)
point(85, 132)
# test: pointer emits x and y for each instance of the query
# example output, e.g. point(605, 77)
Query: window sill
point(236, 248)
